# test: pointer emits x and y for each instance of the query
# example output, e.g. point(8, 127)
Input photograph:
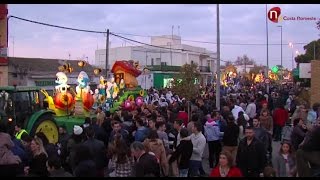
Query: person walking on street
point(280, 117)
point(308, 156)
point(212, 134)
point(251, 155)
point(183, 153)
point(146, 164)
point(285, 162)
point(97, 149)
point(298, 133)
point(230, 137)
point(199, 143)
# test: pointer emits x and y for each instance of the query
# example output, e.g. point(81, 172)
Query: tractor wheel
point(47, 125)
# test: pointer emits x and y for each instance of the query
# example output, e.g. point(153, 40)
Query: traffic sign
point(267, 81)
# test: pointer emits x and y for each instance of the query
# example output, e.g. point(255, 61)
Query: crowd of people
point(167, 137)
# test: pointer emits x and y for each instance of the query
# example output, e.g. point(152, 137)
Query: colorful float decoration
point(227, 76)
point(120, 91)
point(258, 78)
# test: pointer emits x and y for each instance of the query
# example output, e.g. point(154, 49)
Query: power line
point(103, 32)
point(56, 26)
point(207, 42)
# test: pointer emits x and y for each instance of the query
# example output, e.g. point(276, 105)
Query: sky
point(239, 24)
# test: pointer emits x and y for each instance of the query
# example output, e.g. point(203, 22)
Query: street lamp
point(281, 43)
point(291, 46)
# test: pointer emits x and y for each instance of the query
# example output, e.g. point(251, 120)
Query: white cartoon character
point(61, 80)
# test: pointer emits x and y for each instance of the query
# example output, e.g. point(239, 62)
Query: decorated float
point(228, 75)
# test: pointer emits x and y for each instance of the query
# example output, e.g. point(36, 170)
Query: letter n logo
point(274, 14)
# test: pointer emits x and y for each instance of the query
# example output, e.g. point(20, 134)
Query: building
point(3, 45)
point(163, 62)
point(42, 72)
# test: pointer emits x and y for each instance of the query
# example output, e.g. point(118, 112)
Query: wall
point(165, 40)
point(120, 53)
point(145, 81)
point(315, 82)
point(3, 75)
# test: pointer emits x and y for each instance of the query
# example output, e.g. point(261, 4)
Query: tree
point(184, 82)
point(310, 48)
point(257, 69)
point(244, 60)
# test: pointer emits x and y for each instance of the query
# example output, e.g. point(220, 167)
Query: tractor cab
point(17, 104)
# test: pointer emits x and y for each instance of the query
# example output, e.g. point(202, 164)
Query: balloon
point(139, 101)
point(127, 104)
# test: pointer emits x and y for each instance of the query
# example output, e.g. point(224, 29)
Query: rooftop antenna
point(178, 30)
point(172, 31)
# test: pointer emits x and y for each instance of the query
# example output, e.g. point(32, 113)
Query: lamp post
point(291, 46)
point(281, 43)
point(218, 61)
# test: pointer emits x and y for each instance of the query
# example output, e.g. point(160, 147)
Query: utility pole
point(218, 61)
point(314, 50)
point(146, 58)
point(171, 45)
point(267, 33)
point(267, 36)
point(171, 54)
point(281, 43)
point(107, 53)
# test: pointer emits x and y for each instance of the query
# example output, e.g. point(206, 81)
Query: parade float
point(68, 106)
point(228, 75)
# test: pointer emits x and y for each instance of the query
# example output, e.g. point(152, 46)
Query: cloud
point(238, 24)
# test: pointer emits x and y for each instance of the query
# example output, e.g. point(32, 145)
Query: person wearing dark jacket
point(84, 163)
point(183, 153)
point(298, 133)
point(10, 164)
point(97, 149)
point(263, 135)
point(116, 126)
point(37, 165)
point(230, 137)
point(309, 154)
point(146, 163)
point(50, 148)
point(54, 168)
point(251, 155)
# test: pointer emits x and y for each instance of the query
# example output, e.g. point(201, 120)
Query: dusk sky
point(239, 24)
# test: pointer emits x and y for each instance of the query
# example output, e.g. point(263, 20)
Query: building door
point(118, 77)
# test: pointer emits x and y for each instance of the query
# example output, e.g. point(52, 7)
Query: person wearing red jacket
point(225, 167)
point(280, 117)
point(183, 115)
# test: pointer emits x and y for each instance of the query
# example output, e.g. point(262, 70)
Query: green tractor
point(21, 104)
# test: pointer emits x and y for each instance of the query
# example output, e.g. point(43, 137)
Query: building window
point(152, 62)
point(208, 63)
point(192, 62)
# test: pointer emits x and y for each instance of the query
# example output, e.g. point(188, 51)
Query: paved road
point(205, 160)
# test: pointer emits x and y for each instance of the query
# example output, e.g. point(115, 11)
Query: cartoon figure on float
point(63, 102)
point(61, 80)
point(83, 95)
point(101, 91)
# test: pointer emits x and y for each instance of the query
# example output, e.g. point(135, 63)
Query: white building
point(148, 55)
point(171, 53)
